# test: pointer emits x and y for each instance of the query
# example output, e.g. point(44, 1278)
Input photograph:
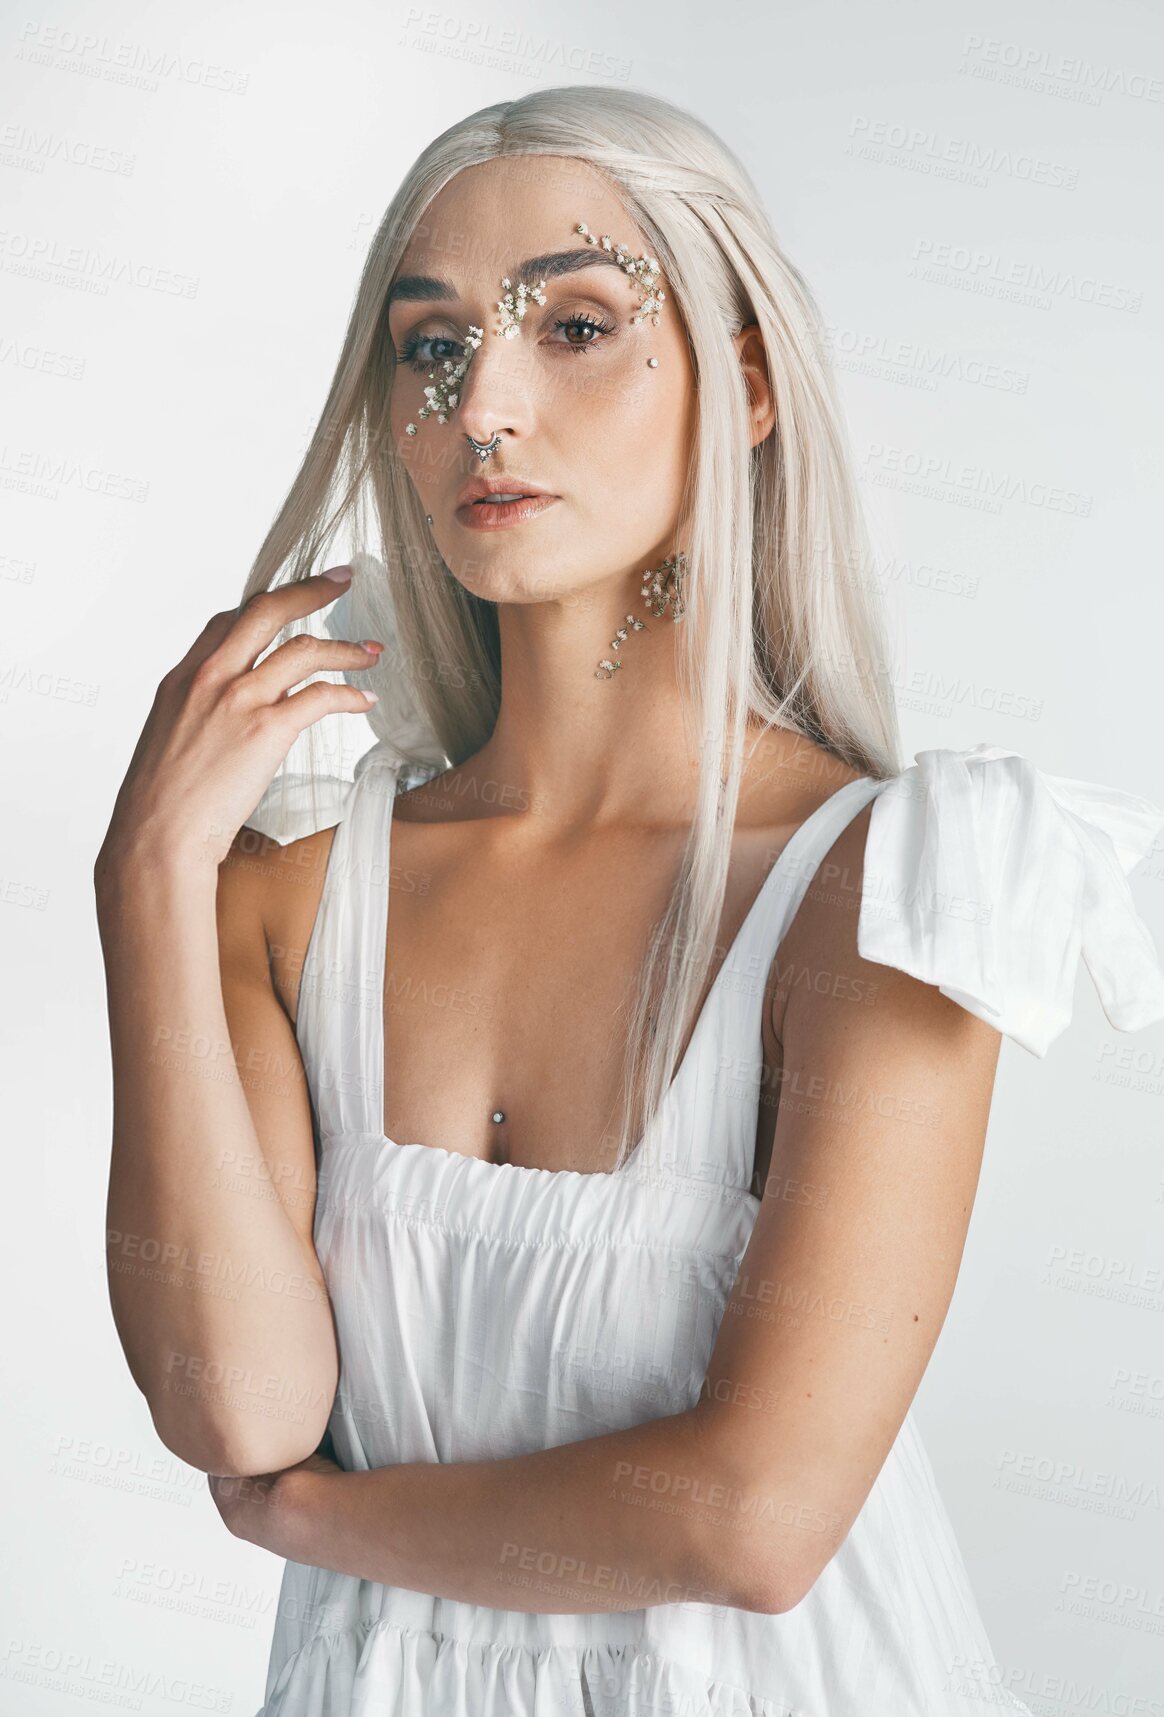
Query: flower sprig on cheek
point(442, 398)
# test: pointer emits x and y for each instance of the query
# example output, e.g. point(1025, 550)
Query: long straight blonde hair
point(783, 623)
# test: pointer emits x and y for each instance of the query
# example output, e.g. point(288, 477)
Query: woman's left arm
point(841, 1294)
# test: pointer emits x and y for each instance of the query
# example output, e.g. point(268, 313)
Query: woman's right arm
point(217, 1293)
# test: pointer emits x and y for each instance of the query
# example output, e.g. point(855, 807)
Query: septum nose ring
point(484, 448)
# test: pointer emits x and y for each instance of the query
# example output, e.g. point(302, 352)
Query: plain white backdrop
point(972, 191)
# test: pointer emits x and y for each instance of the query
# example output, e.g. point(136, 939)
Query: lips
point(510, 484)
point(496, 513)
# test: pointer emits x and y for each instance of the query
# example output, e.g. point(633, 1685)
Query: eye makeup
point(600, 331)
point(418, 350)
point(596, 330)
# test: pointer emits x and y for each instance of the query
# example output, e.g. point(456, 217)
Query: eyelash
point(412, 346)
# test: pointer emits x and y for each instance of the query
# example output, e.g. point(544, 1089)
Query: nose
point(496, 394)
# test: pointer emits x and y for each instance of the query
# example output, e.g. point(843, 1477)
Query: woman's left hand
point(269, 1509)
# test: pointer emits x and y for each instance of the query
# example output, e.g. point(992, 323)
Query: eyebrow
point(418, 288)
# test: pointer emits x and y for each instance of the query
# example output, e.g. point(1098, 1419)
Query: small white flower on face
point(513, 308)
point(643, 269)
point(444, 396)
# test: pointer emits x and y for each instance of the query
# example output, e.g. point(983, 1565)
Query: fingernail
point(372, 647)
point(372, 697)
point(340, 574)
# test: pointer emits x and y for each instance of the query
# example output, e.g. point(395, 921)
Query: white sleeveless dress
point(486, 1310)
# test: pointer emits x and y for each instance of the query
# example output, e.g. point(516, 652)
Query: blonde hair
point(781, 626)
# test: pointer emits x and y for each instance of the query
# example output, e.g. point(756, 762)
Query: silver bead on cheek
point(652, 363)
point(498, 1115)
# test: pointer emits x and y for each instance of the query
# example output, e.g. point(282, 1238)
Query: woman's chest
point(513, 1045)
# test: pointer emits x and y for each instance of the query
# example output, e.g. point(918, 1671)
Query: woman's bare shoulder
point(789, 778)
point(786, 777)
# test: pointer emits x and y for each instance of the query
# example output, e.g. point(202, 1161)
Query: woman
point(630, 1303)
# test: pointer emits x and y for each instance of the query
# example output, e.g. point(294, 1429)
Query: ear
point(754, 363)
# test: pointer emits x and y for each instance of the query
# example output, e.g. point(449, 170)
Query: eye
point(412, 347)
point(422, 351)
point(588, 325)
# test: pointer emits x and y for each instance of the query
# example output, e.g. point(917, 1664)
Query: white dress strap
point(989, 878)
point(724, 1095)
point(340, 1021)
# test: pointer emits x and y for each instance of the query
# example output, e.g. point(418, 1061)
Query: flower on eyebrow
point(643, 269)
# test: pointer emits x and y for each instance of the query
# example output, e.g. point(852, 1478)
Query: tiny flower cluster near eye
point(441, 398)
point(513, 309)
point(644, 269)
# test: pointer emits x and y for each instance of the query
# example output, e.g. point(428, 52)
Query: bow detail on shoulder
point(989, 878)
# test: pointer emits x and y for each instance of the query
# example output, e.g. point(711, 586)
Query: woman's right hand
point(220, 727)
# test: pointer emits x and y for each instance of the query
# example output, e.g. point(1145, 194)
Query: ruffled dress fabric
point(487, 1310)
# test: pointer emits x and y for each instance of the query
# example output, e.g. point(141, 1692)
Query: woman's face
point(580, 411)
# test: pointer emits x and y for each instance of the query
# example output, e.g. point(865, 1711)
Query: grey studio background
point(187, 198)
